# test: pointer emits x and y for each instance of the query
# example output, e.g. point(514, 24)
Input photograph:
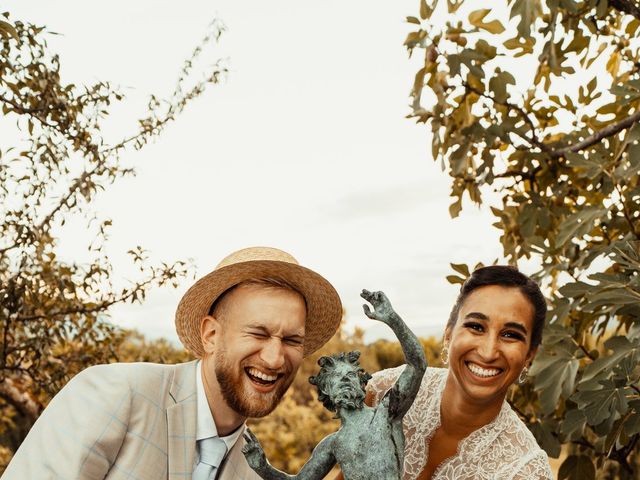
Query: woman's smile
point(483, 372)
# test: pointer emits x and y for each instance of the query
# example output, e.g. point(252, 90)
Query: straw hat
point(324, 309)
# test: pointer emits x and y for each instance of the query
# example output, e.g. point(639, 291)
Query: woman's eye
point(514, 335)
point(474, 326)
point(258, 334)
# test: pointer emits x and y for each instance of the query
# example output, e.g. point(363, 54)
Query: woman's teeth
point(483, 372)
point(262, 376)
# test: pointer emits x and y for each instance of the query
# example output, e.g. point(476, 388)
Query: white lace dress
point(504, 449)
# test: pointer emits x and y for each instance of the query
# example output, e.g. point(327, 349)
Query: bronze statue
point(370, 441)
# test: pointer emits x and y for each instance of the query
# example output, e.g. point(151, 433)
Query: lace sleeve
point(537, 468)
point(383, 381)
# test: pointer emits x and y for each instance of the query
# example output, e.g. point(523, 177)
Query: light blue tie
point(212, 451)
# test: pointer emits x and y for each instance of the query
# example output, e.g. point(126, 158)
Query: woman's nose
point(488, 349)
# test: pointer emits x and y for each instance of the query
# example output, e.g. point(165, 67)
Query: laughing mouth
point(481, 371)
point(261, 378)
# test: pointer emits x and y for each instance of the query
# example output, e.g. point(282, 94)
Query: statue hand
point(253, 451)
point(383, 311)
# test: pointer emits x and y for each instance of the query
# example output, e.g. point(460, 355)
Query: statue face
point(342, 385)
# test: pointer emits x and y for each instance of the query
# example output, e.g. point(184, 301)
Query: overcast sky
point(305, 147)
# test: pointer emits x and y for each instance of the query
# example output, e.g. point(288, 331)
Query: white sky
point(305, 147)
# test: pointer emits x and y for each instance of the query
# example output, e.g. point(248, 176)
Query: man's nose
point(272, 354)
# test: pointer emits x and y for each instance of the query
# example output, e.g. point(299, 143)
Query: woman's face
point(489, 344)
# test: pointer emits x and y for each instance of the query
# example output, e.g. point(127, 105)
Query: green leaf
point(555, 370)
point(8, 30)
point(528, 220)
point(632, 425)
point(453, 5)
point(578, 224)
point(575, 289)
point(455, 208)
point(526, 45)
point(425, 10)
point(453, 279)
point(461, 268)
point(528, 11)
point(476, 19)
point(546, 438)
point(574, 423)
point(607, 403)
point(558, 333)
point(494, 26)
point(577, 467)
point(621, 348)
point(413, 20)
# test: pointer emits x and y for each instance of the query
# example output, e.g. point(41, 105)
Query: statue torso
point(371, 447)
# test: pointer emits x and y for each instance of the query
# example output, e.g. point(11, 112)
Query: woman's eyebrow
point(477, 315)
point(517, 326)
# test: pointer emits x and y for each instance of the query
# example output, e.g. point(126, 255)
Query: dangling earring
point(444, 354)
point(523, 375)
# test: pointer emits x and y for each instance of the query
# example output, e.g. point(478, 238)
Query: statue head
point(341, 381)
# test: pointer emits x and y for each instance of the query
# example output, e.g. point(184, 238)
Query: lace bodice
point(504, 449)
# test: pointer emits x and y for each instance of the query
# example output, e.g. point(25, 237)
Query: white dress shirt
point(205, 426)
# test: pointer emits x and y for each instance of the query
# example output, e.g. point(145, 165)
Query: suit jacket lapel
point(181, 422)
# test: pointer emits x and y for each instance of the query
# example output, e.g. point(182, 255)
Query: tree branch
point(607, 131)
point(97, 308)
point(21, 400)
point(24, 110)
point(626, 6)
point(515, 173)
point(65, 200)
point(511, 107)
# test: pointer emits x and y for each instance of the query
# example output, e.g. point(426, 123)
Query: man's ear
point(209, 333)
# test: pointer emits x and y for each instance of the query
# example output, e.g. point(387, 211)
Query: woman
point(460, 426)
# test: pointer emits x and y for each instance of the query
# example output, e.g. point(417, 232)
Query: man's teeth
point(262, 376)
point(483, 372)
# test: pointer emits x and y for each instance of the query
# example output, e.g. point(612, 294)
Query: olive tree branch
point(626, 6)
point(607, 131)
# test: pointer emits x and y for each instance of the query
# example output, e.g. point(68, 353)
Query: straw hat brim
point(324, 308)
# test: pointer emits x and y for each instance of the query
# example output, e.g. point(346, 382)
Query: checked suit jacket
point(121, 421)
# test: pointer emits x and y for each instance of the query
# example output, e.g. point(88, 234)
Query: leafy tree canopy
point(533, 105)
point(53, 313)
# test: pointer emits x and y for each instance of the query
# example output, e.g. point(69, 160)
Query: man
point(250, 322)
point(370, 441)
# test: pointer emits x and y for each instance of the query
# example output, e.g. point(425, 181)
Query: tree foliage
point(54, 313)
point(533, 106)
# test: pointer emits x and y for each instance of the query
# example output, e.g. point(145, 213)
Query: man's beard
point(239, 396)
point(349, 399)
